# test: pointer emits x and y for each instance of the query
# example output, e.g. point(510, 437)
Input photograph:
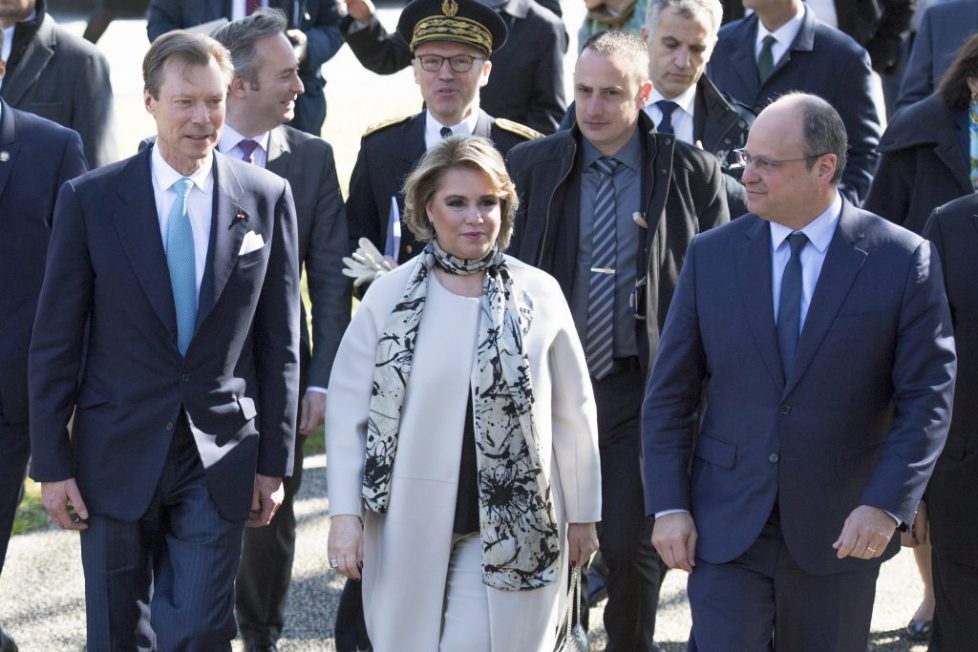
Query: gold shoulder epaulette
point(517, 128)
point(383, 124)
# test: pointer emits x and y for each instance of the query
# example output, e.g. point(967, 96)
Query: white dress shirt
point(682, 115)
point(200, 203)
point(432, 128)
point(785, 36)
point(230, 140)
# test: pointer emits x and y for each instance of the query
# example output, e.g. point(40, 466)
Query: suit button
point(169, 426)
point(773, 458)
point(185, 378)
point(785, 409)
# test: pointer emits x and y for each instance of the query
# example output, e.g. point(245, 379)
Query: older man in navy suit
point(36, 157)
point(169, 320)
point(782, 47)
point(810, 344)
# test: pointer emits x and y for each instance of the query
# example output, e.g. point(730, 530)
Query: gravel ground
point(42, 593)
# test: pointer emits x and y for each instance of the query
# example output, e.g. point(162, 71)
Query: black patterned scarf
point(516, 514)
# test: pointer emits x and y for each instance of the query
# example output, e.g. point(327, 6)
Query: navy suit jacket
point(860, 420)
point(237, 384)
point(822, 61)
point(36, 157)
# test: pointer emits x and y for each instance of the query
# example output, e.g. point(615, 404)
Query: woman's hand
point(346, 545)
point(582, 542)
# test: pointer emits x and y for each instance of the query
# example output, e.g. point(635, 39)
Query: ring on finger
point(334, 564)
point(871, 550)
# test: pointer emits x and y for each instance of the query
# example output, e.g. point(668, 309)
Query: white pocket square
point(252, 242)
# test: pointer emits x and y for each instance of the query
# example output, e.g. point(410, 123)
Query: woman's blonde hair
point(472, 153)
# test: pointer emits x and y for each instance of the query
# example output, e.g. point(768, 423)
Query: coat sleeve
point(893, 27)
point(323, 34)
point(918, 78)
point(276, 341)
point(329, 289)
point(375, 49)
point(92, 115)
point(163, 16)
point(858, 111)
point(574, 419)
point(889, 196)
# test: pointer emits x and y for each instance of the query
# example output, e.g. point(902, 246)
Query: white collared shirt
point(682, 115)
point(231, 138)
point(432, 128)
point(785, 36)
point(199, 204)
point(819, 232)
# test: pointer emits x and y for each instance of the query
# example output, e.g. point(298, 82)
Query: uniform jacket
point(527, 82)
point(36, 157)
point(682, 195)
point(923, 165)
point(821, 61)
point(387, 155)
point(860, 420)
point(107, 289)
point(63, 78)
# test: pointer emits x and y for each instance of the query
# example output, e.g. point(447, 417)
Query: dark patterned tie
point(601, 289)
point(247, 147)
point(789, 308)
point(667, 107)
point(445, 132)
point(765, 62)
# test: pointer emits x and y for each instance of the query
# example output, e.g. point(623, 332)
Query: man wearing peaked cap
point(451, 41)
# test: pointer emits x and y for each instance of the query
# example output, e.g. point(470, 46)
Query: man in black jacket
point(608, 207)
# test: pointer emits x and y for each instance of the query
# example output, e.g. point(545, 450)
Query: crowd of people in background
point(714, 312)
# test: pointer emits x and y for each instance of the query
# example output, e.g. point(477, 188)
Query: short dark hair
point(188, 48)
point(240, 36)
point(953, 88)
point(823, 132)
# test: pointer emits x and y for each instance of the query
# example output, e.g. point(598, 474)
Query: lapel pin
point(239, 218)
point(4, 156)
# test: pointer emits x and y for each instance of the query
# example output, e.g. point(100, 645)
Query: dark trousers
point(763, 594)
point(625, 532)
point(262, 585)
point(169, 576)
point(955, 590)
point(15, 449)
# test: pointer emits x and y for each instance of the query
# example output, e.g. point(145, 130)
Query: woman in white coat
point(461, 440)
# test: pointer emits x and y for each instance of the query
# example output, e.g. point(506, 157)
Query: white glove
point(366, 264)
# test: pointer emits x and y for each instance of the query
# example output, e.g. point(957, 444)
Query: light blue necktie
point(180, 263)
point(601, 289)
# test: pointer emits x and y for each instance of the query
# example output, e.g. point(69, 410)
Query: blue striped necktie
point(601, 289)
point(180, 263)
point(789, 306)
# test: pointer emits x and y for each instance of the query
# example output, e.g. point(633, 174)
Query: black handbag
point(571, 636)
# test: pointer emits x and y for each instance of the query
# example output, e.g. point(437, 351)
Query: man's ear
point(644, 91)
point(238, 85)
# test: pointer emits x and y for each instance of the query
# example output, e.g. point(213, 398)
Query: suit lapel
point(279, 154)
point(229, 224)
point(139, 231)
point(31, 64)
point(8, 144)
point(754, 279)
point(842, 263)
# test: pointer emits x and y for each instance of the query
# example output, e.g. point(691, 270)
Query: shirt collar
point(684, 100)
point(819, 231)
point(465, 128)
point(165, 176)
point(785, 34)
point(230, 138)
point(629, 155)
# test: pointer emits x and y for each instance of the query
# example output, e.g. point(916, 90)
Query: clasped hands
point(865, 535)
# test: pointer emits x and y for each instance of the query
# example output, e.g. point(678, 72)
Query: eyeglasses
point(764, 164)
point(458, 63)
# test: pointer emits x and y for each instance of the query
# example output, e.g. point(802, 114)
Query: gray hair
point(240, 36)
point(189, 48)
point(624, 45)
point(688, 9)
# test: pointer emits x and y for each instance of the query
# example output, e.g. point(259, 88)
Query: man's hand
point(361, 11)
point(918, 533)
point(269, 494)
point(582, 542)
point(300, 43)
point(312, 412)
point(345, 546)
point(865, 533)
point(674, 538)
point(64, 503)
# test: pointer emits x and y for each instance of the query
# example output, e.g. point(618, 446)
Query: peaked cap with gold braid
point(468, 22)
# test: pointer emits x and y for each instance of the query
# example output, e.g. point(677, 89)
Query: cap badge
point(449, 8)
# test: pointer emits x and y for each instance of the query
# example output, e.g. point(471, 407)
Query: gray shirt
point(628, 197)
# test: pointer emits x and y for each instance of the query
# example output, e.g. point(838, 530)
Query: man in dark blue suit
point(36, 157)
point(809, 343)
point(169, 322)
point(804, 55)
